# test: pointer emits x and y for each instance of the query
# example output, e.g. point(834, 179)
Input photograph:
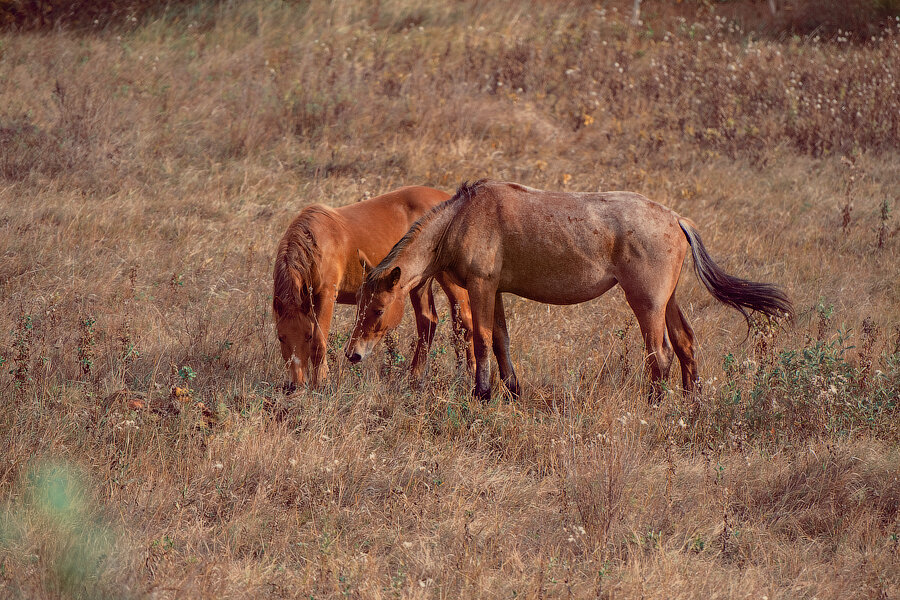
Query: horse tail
point(737, 293)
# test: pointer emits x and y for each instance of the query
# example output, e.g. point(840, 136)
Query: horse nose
point(354, 357)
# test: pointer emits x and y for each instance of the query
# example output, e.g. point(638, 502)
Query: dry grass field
point(149, 165)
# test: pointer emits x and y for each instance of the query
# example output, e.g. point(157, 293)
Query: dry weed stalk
point(670, 469)
point(128, 352)
point(847, 209)
point(726, 530)
point(764, 331)
point(250, 259)
point(458, 341)
point(869, 339)
point(884, 219)
point(24, 334)
point(86, 345)
point(393, 358)
point(599, 477)
point(622, 335)
point(825, 312)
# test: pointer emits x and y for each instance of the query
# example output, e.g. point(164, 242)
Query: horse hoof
point(482, 395)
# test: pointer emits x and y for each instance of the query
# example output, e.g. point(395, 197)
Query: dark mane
point(466, 190)
point(297, 261)
point(463, 193)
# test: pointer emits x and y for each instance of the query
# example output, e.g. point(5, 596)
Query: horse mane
point(463, 194)
point(296, 270)
point(466, 190)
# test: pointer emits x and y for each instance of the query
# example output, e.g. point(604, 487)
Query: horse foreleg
point(422, 300)
point(501, 347)
point(481, 298)
point(461, 316)
point(324, 310)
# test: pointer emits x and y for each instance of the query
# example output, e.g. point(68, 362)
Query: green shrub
point(798, 394)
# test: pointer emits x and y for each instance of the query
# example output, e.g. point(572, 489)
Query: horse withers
point(557, 248)
point(321, 261)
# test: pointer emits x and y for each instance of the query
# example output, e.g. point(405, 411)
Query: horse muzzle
point(357, 352)
point(295, 375)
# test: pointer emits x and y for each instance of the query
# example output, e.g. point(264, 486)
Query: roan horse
point(557, 248)
point(321, 260)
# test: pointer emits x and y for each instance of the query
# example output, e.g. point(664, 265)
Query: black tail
point(735, 292)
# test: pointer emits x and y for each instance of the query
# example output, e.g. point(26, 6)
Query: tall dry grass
point(148, 169)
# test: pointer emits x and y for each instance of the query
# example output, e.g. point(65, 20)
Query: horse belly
point(555, 279)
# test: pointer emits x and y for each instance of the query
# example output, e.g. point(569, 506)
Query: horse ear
point(393, 277)
point(366, 267)
point(306, 304)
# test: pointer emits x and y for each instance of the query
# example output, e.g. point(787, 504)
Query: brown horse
point(557, 248)
point(321, 260)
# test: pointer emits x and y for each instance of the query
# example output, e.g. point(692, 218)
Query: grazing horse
point(322, 259)
point(557, 248)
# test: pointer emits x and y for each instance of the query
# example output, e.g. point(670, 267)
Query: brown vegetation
point(147, 173)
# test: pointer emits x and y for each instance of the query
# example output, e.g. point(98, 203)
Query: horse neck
point(329, 245)
point(421, 257)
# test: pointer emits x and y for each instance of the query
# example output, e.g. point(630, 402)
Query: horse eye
point(379, 312)
point(281, 338)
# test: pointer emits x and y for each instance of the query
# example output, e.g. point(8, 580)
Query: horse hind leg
point(652, 321)
point(500, 345)
point(682, 336)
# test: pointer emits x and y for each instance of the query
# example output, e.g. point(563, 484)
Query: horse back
point(563, 247)
point(375, 225)
point(524, 219)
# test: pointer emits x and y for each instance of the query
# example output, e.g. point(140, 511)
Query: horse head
point(301, 341)
point(379, 309)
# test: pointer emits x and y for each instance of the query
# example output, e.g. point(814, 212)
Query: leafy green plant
point(187, 374)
